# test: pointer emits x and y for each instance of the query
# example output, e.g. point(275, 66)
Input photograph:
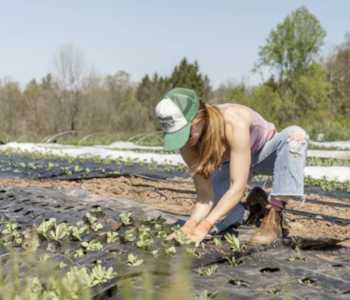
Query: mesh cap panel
point(186, 100)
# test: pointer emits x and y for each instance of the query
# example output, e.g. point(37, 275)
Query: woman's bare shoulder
point(237, 115)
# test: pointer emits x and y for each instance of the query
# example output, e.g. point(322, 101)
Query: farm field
point(97, 223)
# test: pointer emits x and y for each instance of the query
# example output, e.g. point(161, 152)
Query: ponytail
point(212, 141)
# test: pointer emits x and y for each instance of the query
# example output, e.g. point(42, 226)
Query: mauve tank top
point(260, 130)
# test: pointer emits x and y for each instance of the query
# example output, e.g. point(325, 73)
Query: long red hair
point(212, 140)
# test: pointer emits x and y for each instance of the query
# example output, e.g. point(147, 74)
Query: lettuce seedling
point(93, 245)
point(100, 275)
point(144, 230)
point(46, 226)
point(112, 237)
point(93, 222)
point(170, 251)
point(145, 241)
point(79, 253)
point(128, 236)
point(11, 233)
point(78, 231)
point(60, 232)
point(180, 237)
point(191, 251)
point(126, 218)
point(133, 262)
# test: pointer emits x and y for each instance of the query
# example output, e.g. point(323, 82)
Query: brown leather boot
point(269, 229)
point(257, 196)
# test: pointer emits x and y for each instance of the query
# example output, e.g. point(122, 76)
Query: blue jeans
point(280, 157)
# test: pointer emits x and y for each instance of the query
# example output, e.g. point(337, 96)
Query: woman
point(224, 146)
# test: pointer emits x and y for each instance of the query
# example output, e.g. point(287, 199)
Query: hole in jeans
point(296, 142)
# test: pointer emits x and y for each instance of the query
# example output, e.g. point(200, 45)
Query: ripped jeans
point(282, 157)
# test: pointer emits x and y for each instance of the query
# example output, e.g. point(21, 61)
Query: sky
point(147, 36)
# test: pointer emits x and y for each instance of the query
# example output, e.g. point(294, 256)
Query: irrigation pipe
point(325, 217)
point(90, 135)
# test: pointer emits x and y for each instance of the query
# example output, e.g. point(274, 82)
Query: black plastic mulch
point(266, 273)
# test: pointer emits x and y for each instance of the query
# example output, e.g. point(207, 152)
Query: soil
point(161, 195)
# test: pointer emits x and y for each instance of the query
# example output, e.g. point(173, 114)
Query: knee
point(297, 141)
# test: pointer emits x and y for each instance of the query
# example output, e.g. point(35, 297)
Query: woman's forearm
point(226, 204)
point(202, 209)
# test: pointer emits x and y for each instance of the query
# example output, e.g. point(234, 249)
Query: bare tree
point(71, 73)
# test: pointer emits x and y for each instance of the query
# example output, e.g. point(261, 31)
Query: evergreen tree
point(187, 75)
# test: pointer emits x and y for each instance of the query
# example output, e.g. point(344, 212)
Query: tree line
point(299, 86)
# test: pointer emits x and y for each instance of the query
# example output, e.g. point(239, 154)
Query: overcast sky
point(148, 36)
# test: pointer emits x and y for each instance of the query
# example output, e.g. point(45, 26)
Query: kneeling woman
point(224, 146)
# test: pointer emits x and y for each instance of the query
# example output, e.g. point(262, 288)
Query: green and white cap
point(175, 113)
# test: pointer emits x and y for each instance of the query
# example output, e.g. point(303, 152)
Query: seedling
point(128, 236)
point(170, 251)
point(143, 162)
point(46, 226)
point(298, 244)
point(76, 232)
point(181, 167)
point(100, 275)
point(133, 262)
point(77, 168)
point(234, 242)
point(93, 245)
point(107, 160)
point(11, 233)
point(180, 236)
point(153, 165)
point(60, 232)
point(307, 281)
point(217, 241)
point(128, 161)
point(145, 241)
point(79, 253)
point(233, 262)
point(167, 167)
point(93, 222)
point(210, 271)
point(162, 234)
point(144, 230)
point(62, 266)
point(97, 210)
point(112, 237)
point(210, 296)
point(191, 251)
point(126, 218)
point(44, 258)
point(274, 291)
point(237, 282)
point(175, 228)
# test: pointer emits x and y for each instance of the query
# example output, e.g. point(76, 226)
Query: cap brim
point(176, 140)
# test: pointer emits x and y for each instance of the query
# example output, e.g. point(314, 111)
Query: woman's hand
point(199, 233)
point(188, 227)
